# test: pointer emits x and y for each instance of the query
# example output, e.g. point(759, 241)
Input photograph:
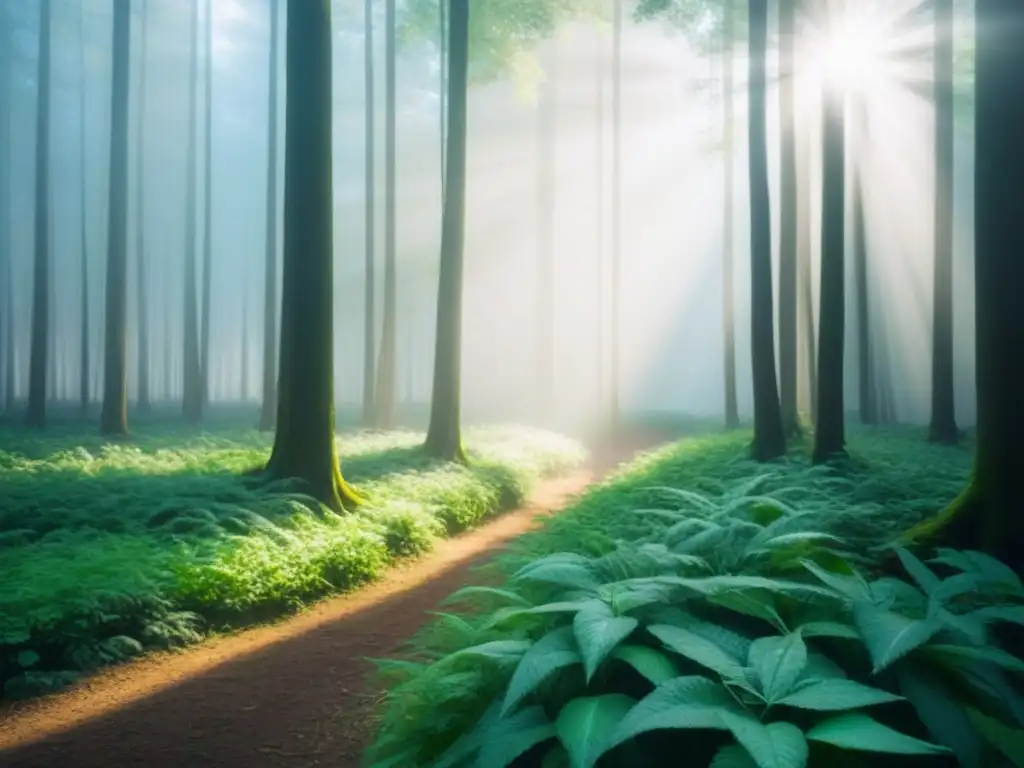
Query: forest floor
point(296, 693)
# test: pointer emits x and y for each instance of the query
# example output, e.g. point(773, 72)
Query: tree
point(943, 428)
point(140, 224)
point(268, 410)
point(867, 400)
point(205, 368)
point(444, 435)
point(546, 176)
point(732, 418)
point(244, 362)
point(370, 219)
point(192, 383)
point(616, 183)
point(6, 266)
point(384, 401)
point(84, 361)
point(769, 437)
point(987, 514)
point(304, 446)
point(36, 416)
point(788, 221)
point(829, 436)
point(114, 417)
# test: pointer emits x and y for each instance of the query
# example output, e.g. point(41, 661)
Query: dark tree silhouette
point(732, 417)
point(787, 221)
point(6, 262)
point(192, 375)
point(140, 222)
point(204, 331)
point(268, 410)
point(84, 356)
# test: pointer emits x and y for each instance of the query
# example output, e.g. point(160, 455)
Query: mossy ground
point(112, 548)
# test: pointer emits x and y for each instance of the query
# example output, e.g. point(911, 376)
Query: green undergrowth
point(700, 608)
point(107, 550)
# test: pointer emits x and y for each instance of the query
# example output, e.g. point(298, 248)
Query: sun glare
point(849, 55)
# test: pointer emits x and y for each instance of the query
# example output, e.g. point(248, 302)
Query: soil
point(293, 694)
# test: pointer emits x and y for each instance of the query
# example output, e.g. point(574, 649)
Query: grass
point(892, 480)
point(112, 549)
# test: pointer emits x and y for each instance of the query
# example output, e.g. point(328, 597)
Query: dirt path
point(291, 694)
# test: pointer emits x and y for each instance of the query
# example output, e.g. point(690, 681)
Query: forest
point(511, 383)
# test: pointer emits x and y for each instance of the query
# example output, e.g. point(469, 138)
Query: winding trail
point(291, 694)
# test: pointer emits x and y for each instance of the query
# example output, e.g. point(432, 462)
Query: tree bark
point(384, 401)
point(36, 414)
point(205, 367)
point(114, 416)
point(829, 435)
point(304, 447)
point(806, 286)
point(6, 271)
point(444, 435)
point(268, 410)
point(769, 437)
point(867, 393)
point(616, 184)
point(84, 361)
point(370, 213)
point(140, 224)
point(192, 384)
point(788, 222)
point(943, 428)
point(732, 417)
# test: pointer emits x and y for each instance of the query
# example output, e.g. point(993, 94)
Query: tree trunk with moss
point(987, 515)
point(829, 434)
point(114, 416)
point(732, 417)
point(943, 428)
point(304, 447)
point(192, 381)
point(140, 226)
point(37, 373)
point(384, 399)
point(787, 222)
point(444, 435)
point(769, 436)
point(268, 409)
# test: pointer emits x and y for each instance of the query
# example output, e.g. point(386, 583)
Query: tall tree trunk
point(51, 342)
point(304, 446)
point(805, 298)
point(208, 209)
point(616, 183)
point(192, 383)
point(829, 437)
point(268, 410)
point(370, 213)
point(444, 435)
point(732, 417)
point(788, 376)
point(867, 393)
point(599, 208)
point(114, 418)
point(769, 437)
point(140, 224)
point(6, 271)
point(546, 159)
point(36, 415)
point(943, 427)
point(244, 383)
point(83, 371)
point(384, 402)
point(442, 69)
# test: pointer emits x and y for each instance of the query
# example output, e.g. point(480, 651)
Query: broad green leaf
point(1009, 614)
point(598, 631)
point(778, 662)
point(572, 572)
point(731, 642)
point(853, 588)
point(732, 756)
point(652, 664)
point(955, 586)
point(987, 567)
point(989, 654)
point(502, 651)
point(552, 652)
point(890, 636)
point(1009, 741)
point(756, 603)
point(682, 703)
point(942, 714)
point(820, 666)
point(469, 743)
point(919, 572)
point(856, 731)
point(556, 757)
point(585, 726)
point(467, 593)
point(775, 745)
point(687, 497)
point(699, 649)
point(503, 616)
point(828, 629)
point(510, 737)
point(835, 694)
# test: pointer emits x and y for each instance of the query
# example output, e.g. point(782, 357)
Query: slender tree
point(546, 159)
point(84, 361)
point(805, 298)
point(444, 435)
point(244, 362)
point(732, 417)
point(867, 399)
point(943, 427)
point(207, 209)
point(140, 222)
point(829, 436)
point(304, 446)
point(384, 401)
point(616, 184)
point(6, 260)
point(268, 411)
point(114, 417)
point(599, 208)
point(36, 416)
point(788, 221)
point(192, 384)
point(370, 286)
point(442, 86)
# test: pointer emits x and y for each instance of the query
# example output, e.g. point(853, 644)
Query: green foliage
point(731, 626)
point(109, 550)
